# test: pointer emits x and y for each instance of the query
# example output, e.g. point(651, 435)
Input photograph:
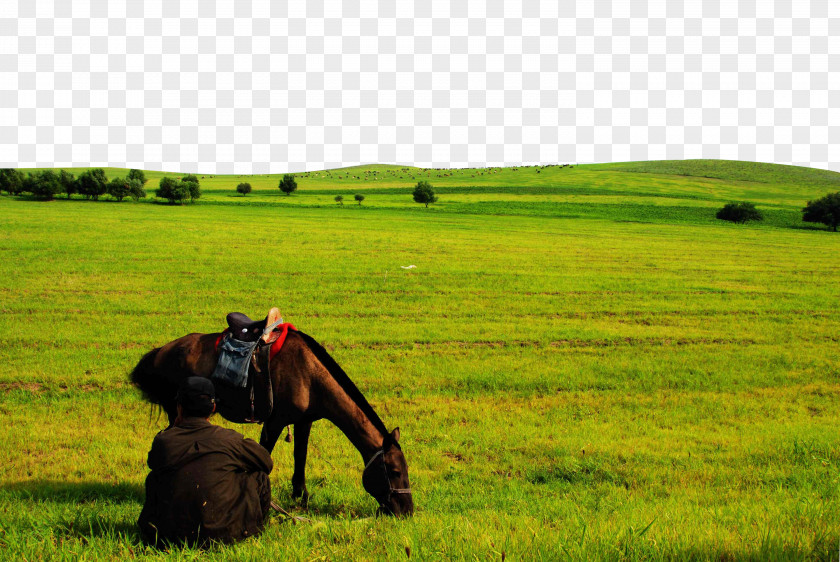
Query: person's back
point(206, 483)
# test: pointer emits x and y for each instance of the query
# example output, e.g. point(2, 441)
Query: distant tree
point(28, 183)
point(173, 190)
point(190, 183)
point(119, 189)
point(93, 183)
point(288, 184)
point(825, 210)
point(166, 189)
point(359, 197)
point(69, 185)
point(339, 199)
point(424, 193)
point(45, 185)
point(135, 189)
point(243, 188)
point(740, 212)
point(193, 189)
point(11, 181)
point(138, 175)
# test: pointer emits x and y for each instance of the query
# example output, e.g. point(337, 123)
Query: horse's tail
point(149, 380)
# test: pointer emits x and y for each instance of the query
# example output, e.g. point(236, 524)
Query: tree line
point(93, 184)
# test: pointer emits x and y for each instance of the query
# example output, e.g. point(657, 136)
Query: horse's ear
point(395, 435)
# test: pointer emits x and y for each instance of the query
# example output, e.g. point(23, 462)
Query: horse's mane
point(344, 381)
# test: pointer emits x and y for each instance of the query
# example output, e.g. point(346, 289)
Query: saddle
point(247, 330)
point(246, 348)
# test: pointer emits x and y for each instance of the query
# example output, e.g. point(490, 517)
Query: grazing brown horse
point(307, 385)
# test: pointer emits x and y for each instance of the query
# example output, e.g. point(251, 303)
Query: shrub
point(69, 185)
point(339, 199)
point(93, 183)
point(288, 184)
point(424, 193)
point(11, 181)
point(740, 212)
point(825, 210)
point(359, 197)
point(45, 185)
point(243, 188)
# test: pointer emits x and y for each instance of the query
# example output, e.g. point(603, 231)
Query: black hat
point(197, 396)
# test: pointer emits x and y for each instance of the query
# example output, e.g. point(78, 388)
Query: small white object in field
point(408, 266)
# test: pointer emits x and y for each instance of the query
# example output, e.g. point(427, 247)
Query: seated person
point(207, 482)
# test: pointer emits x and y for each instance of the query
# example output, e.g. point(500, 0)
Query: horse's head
point(386, 478)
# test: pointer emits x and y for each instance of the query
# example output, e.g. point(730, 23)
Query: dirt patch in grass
point(40, 388)
point(33, 387)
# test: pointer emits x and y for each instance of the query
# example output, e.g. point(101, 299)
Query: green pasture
point(585, 364)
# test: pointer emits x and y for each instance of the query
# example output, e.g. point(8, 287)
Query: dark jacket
point(207, 483)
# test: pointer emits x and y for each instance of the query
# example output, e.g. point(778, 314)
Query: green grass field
point(585, 363)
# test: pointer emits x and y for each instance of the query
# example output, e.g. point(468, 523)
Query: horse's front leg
point(299, 477)
point(271, 432)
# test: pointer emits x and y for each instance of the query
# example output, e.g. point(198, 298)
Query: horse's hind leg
point(299, 477)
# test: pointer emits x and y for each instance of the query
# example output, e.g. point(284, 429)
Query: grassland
point(584, 364)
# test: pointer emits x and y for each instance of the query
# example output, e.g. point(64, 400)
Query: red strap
point(219, 339)
point(278, 344)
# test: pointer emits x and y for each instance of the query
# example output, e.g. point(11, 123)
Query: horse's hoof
point(302, 496)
